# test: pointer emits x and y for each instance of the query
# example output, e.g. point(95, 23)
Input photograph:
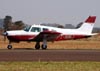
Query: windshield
point(35, 29)
point(27, 28)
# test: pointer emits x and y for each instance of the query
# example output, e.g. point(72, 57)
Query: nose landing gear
point(9, 46)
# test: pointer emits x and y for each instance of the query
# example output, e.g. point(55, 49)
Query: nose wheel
point(9, 46)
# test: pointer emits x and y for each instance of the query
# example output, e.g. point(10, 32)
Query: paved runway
point(49, 55)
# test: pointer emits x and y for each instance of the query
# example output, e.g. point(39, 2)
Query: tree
point(60, 26)
point(18, 25)
point(7, 23)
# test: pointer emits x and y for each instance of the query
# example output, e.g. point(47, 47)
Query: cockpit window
point(45, 29)
point(36, 29)
point(27, 28)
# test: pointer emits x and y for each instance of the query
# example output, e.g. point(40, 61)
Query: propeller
point(5, 35)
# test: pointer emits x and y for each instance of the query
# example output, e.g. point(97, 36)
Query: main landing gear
point(37, 46)
point(43, 46)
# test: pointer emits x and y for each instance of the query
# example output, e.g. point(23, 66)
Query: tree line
point(9, 25)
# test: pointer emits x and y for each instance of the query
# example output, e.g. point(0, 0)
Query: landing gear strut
point(44, 45)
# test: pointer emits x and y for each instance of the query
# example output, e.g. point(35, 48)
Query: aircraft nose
point(5, 33)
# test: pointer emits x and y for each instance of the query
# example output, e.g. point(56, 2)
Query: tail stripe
point(91, 19)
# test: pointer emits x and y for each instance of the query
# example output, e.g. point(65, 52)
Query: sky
point(50, 11)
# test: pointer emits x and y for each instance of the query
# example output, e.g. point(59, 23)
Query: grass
point(49, 66)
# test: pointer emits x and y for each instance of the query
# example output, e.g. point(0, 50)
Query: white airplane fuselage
point(23, 35)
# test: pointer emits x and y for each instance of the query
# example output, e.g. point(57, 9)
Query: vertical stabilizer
point(88, 25)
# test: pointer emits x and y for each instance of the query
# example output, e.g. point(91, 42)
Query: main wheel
point(44, 46)
point(9, 46)
point(37, 46)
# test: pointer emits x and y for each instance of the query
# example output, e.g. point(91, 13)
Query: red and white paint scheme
point(40, 33)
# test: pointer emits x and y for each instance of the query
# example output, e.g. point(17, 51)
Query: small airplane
point(40, 33)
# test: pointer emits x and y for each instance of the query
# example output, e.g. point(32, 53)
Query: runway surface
point(49, 55)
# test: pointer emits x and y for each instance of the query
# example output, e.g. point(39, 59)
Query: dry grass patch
point(90, 43)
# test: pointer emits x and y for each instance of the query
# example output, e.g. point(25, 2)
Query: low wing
point(48, 35)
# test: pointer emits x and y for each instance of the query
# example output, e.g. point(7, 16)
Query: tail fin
point(88, 25)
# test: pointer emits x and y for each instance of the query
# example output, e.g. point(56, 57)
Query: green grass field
point(50, 66)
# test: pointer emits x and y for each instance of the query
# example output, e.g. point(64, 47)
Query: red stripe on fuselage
point(21, 37)
point(69, 37)
point(31, 37)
